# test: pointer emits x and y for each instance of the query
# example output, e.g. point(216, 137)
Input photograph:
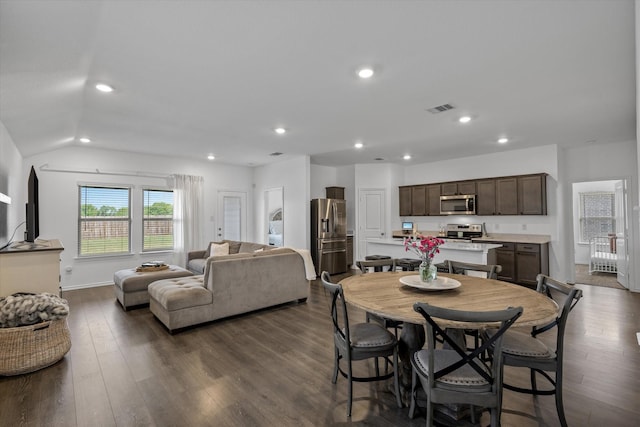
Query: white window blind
point(157, 220)
point(104, 220)
point(597, 215)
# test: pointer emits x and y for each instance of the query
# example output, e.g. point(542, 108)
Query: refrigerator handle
point(334, 217)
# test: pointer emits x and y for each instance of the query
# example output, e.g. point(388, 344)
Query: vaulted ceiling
point(193, 78)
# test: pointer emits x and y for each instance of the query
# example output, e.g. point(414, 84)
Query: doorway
point(371, 218)
point(232, 215)
point(601, 233)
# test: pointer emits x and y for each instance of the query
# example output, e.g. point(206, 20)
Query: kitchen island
point(477, 253)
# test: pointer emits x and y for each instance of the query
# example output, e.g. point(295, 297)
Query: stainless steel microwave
point(458, 205)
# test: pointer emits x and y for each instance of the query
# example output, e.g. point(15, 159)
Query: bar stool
point(375, 258)
point(408, 264)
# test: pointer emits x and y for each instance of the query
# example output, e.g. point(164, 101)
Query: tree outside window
point(157, 220)
point(104, 220)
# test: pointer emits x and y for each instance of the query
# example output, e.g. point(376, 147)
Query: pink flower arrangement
point(426, 247)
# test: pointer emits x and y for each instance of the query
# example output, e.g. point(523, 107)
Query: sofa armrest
point(195, 254)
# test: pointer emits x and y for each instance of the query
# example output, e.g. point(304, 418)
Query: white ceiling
point(199, 77)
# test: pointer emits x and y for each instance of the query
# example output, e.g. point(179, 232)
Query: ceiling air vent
point(441, 108)
point(276, 154)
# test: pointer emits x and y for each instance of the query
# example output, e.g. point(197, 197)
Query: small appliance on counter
point(407, 227)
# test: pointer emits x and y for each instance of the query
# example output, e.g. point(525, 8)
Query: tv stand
point(31, 267)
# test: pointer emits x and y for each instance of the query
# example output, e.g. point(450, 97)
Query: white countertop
point(454, 246)
point(498, 237)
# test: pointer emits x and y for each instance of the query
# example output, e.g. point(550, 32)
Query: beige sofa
point(232, 284)
point(196, 260)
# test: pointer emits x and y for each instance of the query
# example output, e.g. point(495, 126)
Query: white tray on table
point(440, 284)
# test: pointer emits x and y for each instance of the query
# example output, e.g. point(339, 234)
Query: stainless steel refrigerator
point(329, 235)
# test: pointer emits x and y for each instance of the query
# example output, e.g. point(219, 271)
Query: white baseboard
point(86, 286)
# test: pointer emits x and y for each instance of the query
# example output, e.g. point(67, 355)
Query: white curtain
point(188, 198)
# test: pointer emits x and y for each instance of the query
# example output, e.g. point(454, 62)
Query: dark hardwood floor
point(274, 367)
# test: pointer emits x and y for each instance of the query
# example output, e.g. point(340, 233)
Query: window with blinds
point(597, 215)
point(157, 220)
point(104, 220)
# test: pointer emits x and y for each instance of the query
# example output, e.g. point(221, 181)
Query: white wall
point(378, 176)
point(11, 167)
point(294, 177)
point(59, 202)
point(320, 178)
point(581, 250)
point(346, 177)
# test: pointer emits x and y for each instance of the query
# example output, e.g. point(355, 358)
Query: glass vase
point(428, 271)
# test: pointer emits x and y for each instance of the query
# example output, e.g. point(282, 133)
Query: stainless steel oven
point(458, 205)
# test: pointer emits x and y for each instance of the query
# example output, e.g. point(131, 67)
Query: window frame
point(582, 218)
point(127, 219)
point(144, 219)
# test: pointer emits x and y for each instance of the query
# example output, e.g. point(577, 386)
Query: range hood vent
point(441, 108)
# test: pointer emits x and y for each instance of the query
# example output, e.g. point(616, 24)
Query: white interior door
point(232, 216)
point(371, 218)
point(621, 233)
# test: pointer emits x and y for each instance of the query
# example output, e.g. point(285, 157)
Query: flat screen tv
point(32, 230)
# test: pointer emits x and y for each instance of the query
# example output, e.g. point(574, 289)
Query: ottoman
point(131, 286)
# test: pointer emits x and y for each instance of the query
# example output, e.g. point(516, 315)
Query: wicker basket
point(29, 348)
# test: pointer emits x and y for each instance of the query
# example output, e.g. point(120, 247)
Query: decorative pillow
point(217, 249)
point(259, 250)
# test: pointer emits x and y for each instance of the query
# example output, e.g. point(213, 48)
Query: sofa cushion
point(248, 247)
point(177, 294)
point(197, 265)
point(234, 246)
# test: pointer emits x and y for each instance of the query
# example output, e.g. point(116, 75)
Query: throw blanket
point(21, 309)
point(309, 269)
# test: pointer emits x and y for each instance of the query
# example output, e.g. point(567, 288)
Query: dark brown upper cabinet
point(405, 201)
point(486, 197)
point(418, 200)
point(507, 196)
point(433, 199)
point(459, 187)
point(532, 194)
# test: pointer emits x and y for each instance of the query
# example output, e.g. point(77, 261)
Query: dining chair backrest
point(489, 271)
point(338, 311)
point(566, 296)
point(377, 265)
point(456, 374)
point(475, 356)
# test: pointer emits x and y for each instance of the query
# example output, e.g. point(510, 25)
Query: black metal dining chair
point(455, 374)
point(527, 351)
point(360, 341)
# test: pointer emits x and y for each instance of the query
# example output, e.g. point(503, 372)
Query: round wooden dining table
point(383, 294)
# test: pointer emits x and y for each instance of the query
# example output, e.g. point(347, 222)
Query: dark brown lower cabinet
point(522, 262)
point(506, 258)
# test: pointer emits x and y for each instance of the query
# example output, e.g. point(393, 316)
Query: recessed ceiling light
point(503, 140)
point(211, 157)
point(407, 157)
point(365, 73)
point(464, 119)
point(104, 88)
point(85, 140)
point(358, 145)
point(280, 131)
